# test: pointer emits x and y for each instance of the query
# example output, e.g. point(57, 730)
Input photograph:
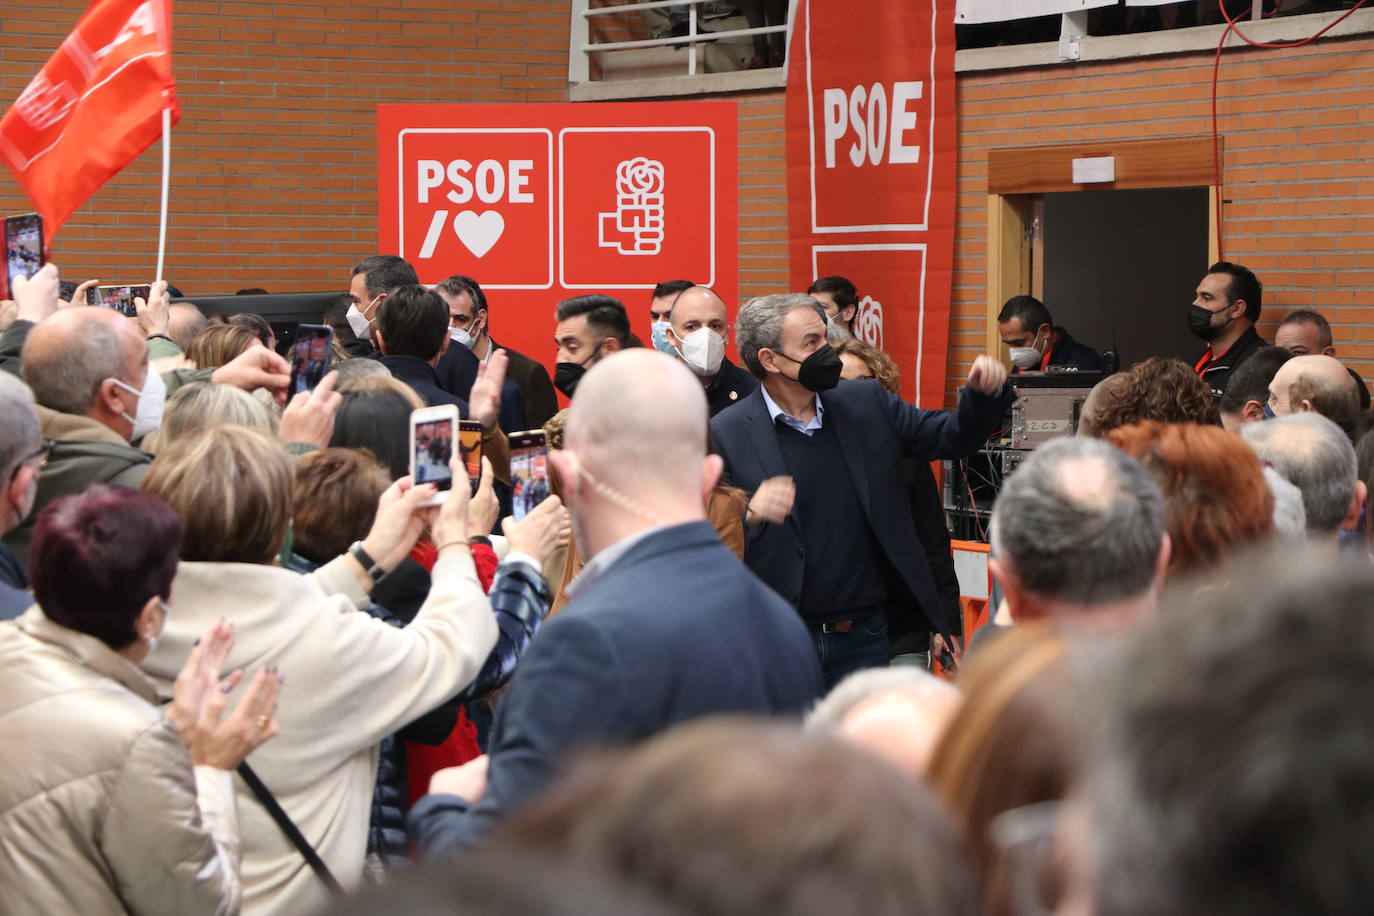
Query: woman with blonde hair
point(220, 344)
point(356, 679)
point(198, 406)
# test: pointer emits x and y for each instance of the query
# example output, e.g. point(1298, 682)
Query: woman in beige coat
point(104, 810)
point(354, 678)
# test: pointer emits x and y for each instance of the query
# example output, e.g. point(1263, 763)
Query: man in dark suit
point(664, 625)
point(373, 279)
point(830, 525)
point(470, 325)
point(698, 330)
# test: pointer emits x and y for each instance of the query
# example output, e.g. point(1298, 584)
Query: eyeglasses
point(41, 452)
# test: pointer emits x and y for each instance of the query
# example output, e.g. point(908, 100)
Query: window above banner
point(651, 48)
point(1006, 34)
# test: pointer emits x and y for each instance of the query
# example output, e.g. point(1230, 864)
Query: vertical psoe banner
point(539, 202)
point(871, 147)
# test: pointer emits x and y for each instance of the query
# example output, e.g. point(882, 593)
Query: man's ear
point(1252, 412)
point(1307, 407)
point(1352, 515)
point(848, 313)
point(381, 344)
point(610, 345)
point(565, 466)
point(711, 470)
point(146, 623)
point(1241, 304)
point(107, 397)
point(768, 360)
point(1023, 606)
point(672, 336)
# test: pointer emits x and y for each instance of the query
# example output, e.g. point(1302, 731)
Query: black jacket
point(627, 659)
point(1217, 372)
point(539, 400)
point(876, 431)
point(421, 376)
point(1069, 352)
point(730, 386)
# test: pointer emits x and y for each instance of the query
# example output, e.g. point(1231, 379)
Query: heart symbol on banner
point(479, 232)
point(868, 323)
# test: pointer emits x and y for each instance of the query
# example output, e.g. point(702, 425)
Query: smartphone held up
point(310, 356)
point(529, 471)
point(434, 433)
point(23, 248)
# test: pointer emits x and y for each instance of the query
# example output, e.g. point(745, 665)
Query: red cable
point(1231, 26)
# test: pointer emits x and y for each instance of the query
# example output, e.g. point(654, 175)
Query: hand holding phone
point(529, 472)
point(310, 356)
point(24, 251)
point(433, 442)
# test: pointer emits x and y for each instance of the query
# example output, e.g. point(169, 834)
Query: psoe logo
point(868, 323)
point(638, 218)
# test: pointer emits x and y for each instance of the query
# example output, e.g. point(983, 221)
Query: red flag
point(94, 107)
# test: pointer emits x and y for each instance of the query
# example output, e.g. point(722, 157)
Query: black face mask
point(567, 375)
point(820, 371)
point(1200, 323)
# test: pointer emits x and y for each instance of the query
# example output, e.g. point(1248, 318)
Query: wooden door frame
point(1017, 175)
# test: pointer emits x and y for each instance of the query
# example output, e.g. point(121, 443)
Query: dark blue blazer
point(420, 375)
point(876, 430)
point(733, 385)
point(677, 628)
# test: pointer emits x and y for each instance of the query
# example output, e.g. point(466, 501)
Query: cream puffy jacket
point(351, 680)
point(98, 799)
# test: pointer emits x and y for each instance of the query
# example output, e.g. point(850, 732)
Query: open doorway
point(1119, 267)
point(1116, 262)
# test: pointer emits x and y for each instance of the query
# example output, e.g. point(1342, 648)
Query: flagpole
point(166, 181)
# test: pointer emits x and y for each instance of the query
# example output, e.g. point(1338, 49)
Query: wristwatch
point(370, 566)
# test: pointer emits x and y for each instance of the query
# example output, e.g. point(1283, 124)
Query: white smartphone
point(433, 436)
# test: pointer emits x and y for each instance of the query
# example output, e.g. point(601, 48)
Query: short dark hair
point(605, 315)
point(1309, 316)
point(413, 321)
point(458, 284)
point(1250, 381)
point(336, 315)
point(99, 555)
point(1230, 773)
point(1030, 311)
point(259, 325)
point(1243, 285)
point(841, 289)
point(385, 272)
point(672, 288)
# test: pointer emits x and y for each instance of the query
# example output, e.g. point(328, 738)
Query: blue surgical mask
point(1269, 411)
point(660, 338)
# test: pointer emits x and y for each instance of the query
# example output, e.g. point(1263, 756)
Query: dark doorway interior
point(1120, 268)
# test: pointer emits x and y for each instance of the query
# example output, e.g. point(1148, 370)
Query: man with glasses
point(21, 457)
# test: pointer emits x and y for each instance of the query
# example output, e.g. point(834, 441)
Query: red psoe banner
point(94, 107)
point(539, 202)
point(871, 152)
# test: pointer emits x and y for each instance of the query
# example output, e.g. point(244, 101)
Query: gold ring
point(262, 721)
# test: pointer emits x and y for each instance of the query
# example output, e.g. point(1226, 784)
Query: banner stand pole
point(166, 181)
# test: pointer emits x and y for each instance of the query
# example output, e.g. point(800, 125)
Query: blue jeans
point(865, 646)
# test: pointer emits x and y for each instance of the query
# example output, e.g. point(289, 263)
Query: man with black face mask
point(829, 526)
point(1224, 313)
point(590, 328)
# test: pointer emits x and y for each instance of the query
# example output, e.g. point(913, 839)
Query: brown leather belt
point(837, 626)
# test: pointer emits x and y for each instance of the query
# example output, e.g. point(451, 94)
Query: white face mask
point(464, 337)
point(358, 320)
point(151, 400)
point(1026, 358)
point(702, 351)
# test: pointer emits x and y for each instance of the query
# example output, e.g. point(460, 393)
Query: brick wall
point(1298, 131)
point(274, 161)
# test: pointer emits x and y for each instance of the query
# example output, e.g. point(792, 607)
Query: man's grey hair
point(863, 685)
point(1314, 455)
point(1086, 547)
point(17, 418)
point(186, 320)
point(759, 325)
point(358, 367)
point(65, 378)
point(1290, 518)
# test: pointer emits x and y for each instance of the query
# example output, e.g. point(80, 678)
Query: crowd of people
point(248, 664)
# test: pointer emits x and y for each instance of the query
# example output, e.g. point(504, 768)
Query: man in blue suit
point(830, 528)
point(664, 625)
